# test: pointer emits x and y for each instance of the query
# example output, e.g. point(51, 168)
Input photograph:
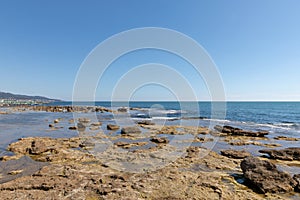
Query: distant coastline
point(9, 99)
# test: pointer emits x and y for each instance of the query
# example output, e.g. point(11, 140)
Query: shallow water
point(36, 124)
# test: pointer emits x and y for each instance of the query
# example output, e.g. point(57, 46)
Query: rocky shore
point(62, 108)
point(147, 161)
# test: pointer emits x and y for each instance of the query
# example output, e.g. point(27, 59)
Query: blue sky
point(255, 44)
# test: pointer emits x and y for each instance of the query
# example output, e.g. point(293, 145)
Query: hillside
point(6, 95)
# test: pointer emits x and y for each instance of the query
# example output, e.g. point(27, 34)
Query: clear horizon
point(255, 46)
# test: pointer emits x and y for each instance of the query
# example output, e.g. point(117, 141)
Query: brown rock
point(292, 153)
point(127, 145)
point(203, 139)
point(235, 154)
point(112, 127)
point(240, 132)
point(286, 138)
point(76, 174)
point(159, 140)
point(37, 147)
point(264, 176)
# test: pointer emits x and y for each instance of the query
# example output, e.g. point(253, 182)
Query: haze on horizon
point(255, 45)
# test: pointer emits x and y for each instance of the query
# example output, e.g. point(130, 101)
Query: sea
point(279, 118)
point(282, 116)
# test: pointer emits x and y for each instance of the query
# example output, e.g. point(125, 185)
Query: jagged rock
point(292, 153)
point(130, 130)
point(235, 154)
point(56, 121)
point(265, 177)
point(112, 127)
point(296, 177)
point(159, 140)
point(240, 132)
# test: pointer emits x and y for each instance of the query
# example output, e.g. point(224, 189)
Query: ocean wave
point(157, 111)
point(165, 118)
point(281, 126)
point(218, 120)
point(154, 118)
point(287, 122)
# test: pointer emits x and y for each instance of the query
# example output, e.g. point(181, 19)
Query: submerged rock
point(96, 124)
point(81, 126)
point(292, 153)
point(23, 166)
point(265, 177)
point(130, 130)
point(93, 128)
point(235, 154)
point(84, 120)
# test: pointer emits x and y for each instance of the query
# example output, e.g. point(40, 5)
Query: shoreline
point(68, 159)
